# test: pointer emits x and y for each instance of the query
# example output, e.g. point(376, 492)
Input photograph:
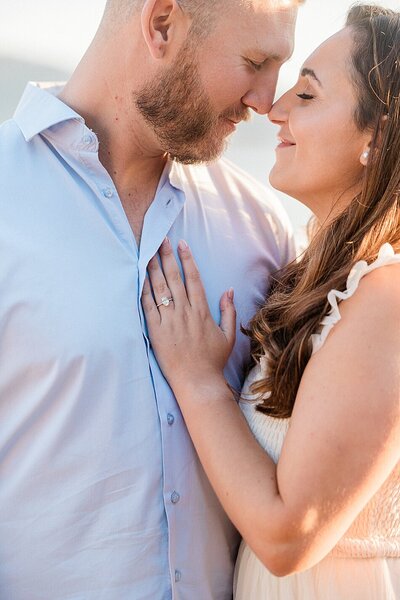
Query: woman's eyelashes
point(305, 96)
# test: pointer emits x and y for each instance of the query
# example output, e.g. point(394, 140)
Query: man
point(101, 494)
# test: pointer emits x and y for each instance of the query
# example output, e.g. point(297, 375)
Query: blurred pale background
point(44, 39)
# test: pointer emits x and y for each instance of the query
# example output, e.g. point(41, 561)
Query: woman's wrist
point(202, 388)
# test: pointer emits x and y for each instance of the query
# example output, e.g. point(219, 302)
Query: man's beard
point(181, 114)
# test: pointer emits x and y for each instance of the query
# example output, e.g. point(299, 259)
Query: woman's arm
point(343, 441)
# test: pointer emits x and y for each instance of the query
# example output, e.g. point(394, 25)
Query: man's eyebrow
point(310, 73)
point(275, 56)
point(258, 52)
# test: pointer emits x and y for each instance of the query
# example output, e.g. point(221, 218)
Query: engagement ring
point(165, 301)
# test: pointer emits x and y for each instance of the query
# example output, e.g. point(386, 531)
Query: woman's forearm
point(241, 473)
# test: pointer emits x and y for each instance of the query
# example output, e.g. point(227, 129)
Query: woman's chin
point(279, 182)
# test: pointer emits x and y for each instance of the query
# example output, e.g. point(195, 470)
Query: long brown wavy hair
point(282, 328)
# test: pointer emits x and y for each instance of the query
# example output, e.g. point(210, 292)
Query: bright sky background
point(55, 34)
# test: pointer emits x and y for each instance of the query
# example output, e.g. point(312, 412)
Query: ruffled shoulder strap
point(386, 256)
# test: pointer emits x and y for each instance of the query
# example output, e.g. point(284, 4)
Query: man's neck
point(127, 149)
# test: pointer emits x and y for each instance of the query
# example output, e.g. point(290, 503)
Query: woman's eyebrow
point(310, 73)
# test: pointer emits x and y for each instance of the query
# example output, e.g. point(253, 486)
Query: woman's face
point(319, 156)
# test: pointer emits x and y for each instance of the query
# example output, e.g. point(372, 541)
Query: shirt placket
point(158, 221)
point(175, 442)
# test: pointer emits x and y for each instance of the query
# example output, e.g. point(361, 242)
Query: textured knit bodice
point(376, 531)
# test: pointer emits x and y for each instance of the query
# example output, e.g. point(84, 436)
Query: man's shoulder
point(10, 128)
point(11, 139)
point(18, 162)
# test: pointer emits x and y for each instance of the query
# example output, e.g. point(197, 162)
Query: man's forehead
point(272, 14)
point(268, 5)
point(272, 32)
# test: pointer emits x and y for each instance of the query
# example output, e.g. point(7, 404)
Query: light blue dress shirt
point(102, 496)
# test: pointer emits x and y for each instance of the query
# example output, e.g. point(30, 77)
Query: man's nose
point(260, 98)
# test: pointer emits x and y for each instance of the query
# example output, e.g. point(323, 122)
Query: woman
point(310, 476)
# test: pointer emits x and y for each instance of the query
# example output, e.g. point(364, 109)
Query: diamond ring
point(165, 301)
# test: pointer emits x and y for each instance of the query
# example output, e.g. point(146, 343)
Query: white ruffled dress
point(365, 564)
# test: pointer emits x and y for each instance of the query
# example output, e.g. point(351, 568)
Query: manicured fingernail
point(183, 245)
point(166, 243)
point(231, 294)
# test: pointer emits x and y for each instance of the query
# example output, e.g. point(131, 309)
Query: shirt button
point(170, 419)
point(108, 193)
point(178, 575)
point(87, 139)
point(175, 497)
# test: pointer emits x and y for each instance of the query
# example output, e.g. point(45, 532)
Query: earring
point(364, 158)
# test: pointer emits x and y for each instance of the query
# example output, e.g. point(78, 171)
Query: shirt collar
point(39, 109)
point(175, 174)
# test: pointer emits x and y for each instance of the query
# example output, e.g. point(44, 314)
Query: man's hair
point(202, 12)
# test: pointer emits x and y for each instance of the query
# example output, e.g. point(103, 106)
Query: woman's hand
point(189, 345)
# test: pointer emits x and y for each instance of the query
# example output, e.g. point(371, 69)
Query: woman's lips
point(284, 143)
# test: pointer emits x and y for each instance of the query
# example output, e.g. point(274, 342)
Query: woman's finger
point(161, 290)
point(194, 286)
point(149, 306)
point(228, 316)
point(172, 273)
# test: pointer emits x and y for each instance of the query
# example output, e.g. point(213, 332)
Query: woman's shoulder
point(378, 293)
point(369, 325)
point(360, 358)
point(372, 295)
point(376, 282)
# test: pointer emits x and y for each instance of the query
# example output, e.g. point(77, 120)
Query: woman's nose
point(279, 110)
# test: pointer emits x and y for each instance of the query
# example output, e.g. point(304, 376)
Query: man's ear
point(163, 22)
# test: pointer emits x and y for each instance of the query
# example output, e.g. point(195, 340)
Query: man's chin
point(197, 155)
